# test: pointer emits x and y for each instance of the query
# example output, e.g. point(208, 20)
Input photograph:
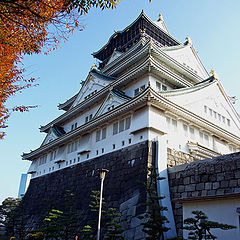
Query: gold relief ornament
point(93, 67)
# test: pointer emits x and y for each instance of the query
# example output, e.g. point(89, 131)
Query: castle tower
point(148, 88)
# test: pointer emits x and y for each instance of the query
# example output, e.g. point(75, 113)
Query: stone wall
point(175, 157)
point(122, 189)
point(210, 178)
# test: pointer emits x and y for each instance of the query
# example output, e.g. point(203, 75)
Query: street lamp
point(102, 173)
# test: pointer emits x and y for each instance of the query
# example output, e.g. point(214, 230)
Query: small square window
point(141, 137)
point(164, 88)
point(136, 92)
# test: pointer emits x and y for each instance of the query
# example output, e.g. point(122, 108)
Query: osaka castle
point(146, 87)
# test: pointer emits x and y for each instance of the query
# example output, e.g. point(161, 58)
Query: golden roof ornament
point(214, 74)
point(160, 17)
point(93, 67)
point(188, 40)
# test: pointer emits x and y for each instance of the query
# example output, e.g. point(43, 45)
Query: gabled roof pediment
point(186, 55)
point(95, 81)
point(53, 133)
point(208, 100)
point(114, 56)
point(113, 99)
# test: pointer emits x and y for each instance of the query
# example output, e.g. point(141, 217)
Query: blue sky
point(212, 25)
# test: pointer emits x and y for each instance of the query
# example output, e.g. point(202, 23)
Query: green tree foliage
point(8, 216)
point(153, 221)
point(61, 224)
point(199, 226)
point(110, 219)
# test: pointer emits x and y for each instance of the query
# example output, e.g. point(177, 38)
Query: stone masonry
point(122, 188)
point(218, 177)
point(175, 157)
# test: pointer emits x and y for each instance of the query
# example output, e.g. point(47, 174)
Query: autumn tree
point(25, 29)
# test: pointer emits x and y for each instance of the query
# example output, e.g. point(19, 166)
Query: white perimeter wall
point(222, 211)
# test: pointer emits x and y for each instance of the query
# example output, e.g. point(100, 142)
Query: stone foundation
point(122, 188)
point(175, 157)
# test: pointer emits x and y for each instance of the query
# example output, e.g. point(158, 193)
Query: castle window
point(70, 162)
point(215, 114)
point(136, 92)
point(223, 119)
point(158, 86)
point(88, 155)
point(206, 139)
point(115, 128)
point(228, 122)
point(128, 123)
point(123, 143)
point(129, 140)
point(96, 152)
point(102, 150)
point(78, 159)
point(121, 126)
point(104, 133)
point(53, 155)
point(191, 130)
point(174, 124)
point(90, 117)
point(185, 129)
point(98, 135)
point(164, 88)
point(66, 163)
point(205, 109)
point(75, 125)
point(114, 146)
point(86, 119)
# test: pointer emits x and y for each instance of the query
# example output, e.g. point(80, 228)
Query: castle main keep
point(149, 100)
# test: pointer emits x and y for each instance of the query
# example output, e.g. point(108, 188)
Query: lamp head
point(102, 172)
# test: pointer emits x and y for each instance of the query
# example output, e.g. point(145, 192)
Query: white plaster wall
point(186, 57)
point(136, 83)
point(222, 210)
point(153, 80)
point(139, 120)
point(212, 98)
point(80, 119)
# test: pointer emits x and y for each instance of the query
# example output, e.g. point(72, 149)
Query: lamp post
point(102, 173)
